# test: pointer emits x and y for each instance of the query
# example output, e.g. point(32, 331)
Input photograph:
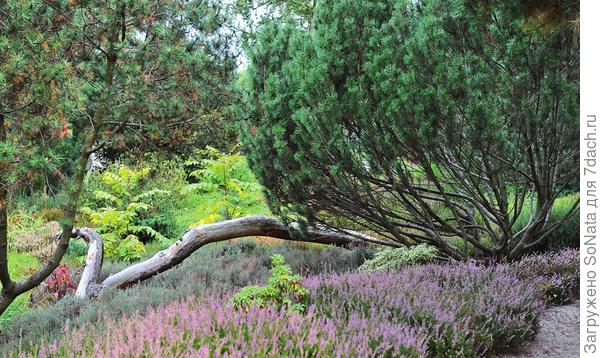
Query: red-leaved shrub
point(56, 286)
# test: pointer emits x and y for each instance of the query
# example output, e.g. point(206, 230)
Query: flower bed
point(465, 310)
point(208, 328)
point(460, 310)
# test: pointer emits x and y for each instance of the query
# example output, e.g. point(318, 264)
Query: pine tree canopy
point(424, 121)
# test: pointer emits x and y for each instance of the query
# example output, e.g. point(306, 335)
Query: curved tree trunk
point(197, 237)
point(93, 261)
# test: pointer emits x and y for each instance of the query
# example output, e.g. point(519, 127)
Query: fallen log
point(197, 237)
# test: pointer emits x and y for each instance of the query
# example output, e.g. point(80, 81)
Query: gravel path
point(558, 336)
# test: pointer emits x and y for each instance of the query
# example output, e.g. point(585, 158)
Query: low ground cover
point(431, 310)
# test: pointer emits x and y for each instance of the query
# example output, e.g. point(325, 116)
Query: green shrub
point(116, 222)
point(76, 252)
point(391, 259)
point(284, 289)
point(167, 174)
point(229, 188)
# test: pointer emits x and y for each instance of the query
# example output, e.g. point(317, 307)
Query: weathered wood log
point(199, 236)
point(93, 262)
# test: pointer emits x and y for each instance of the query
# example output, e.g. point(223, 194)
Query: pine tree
point(102, 77)
point(435, 122)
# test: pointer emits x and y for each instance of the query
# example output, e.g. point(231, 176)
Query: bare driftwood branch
point(93, 262)
point(197, 237)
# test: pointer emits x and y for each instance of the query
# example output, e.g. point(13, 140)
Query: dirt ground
point(558, 336)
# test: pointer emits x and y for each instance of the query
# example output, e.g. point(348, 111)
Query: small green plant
point(391, 259)
point(230, 188)
point(116, 221)
point(284, 289)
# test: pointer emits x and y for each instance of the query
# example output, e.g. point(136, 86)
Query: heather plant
point(432, 310)
point(466, 310)
point(209, 327)
point(555, 274)
point(217, 270)
point(392, 259)
point(284, 290)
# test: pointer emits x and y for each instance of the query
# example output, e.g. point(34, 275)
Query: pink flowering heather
point(466, 310)
point(211, 328)
point(460, 310)
point(556, 275)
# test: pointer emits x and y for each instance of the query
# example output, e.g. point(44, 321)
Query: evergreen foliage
point(423, 121)
point(96, 77)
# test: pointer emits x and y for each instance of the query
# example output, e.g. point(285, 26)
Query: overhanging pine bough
point(436, 122)
point(196, 237)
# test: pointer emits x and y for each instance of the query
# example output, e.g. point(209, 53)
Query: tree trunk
point(93, 261)
point(197, 237)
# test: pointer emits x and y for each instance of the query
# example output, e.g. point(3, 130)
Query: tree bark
point(5, 280)
point(199, 236)
point(93, 261)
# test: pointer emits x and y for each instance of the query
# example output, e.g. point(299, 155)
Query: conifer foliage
point(79, 77)
point(427, 121)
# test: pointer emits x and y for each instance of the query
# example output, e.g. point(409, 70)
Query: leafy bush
point(284, 290)
point(59, 284)
point(116, 222)
point(77, 249)
point(230, 188)
point(391, 259)
point(168, 173)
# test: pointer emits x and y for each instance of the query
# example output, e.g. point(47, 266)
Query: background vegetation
point(447, 128)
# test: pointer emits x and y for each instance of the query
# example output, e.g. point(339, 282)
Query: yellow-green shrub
point(124, 201)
